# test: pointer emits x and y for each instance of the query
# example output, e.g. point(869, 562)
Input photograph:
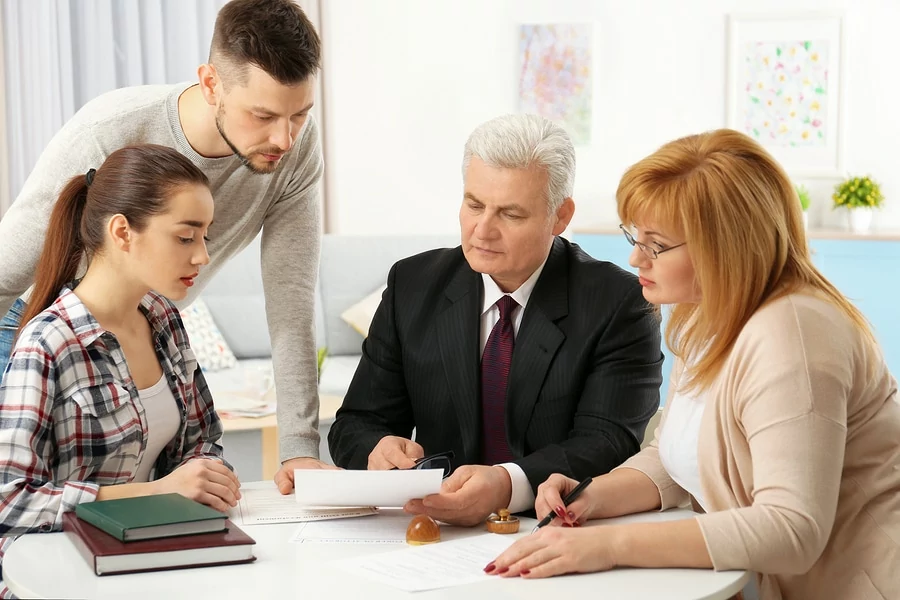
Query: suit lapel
point(458, 327)
point(537, 342)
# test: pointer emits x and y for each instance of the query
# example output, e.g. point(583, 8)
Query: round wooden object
point(422, 530)
point(502, 522)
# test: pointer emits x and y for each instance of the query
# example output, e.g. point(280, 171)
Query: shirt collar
point(492, 293)
point(87, 329)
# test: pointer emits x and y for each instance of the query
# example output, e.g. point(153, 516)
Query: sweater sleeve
point(72, 150)
point(647, 461)
point(290, 259)
point(791, 376)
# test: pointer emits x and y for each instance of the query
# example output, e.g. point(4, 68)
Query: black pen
point(569, 499)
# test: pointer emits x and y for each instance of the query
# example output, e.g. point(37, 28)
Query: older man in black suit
point(517, 351)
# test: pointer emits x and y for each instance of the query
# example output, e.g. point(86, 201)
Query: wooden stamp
point(422, 530)
point(503, 522)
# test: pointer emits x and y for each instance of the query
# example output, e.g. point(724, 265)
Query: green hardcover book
point(151, 517)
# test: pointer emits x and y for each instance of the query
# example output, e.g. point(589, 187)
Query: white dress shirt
point(522, 495)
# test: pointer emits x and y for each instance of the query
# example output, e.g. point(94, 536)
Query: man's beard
point(245, 160)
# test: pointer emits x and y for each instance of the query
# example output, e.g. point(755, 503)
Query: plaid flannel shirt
point(71, 419)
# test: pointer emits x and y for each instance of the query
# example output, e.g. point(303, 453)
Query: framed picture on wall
point(785, 87)
point(555, 72)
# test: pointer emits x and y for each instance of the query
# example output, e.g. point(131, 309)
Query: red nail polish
point(571, 515)
point(560, 512)
point(524, 572)
point(503, 570)
point(576, 524)
point(490, 568)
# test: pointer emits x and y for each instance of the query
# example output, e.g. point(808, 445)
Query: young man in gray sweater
point(247, 125)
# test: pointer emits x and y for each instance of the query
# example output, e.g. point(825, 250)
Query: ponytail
point(63, 248)
point(135, 182)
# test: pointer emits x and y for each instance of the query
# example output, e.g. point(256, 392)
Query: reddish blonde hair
point(739, 213)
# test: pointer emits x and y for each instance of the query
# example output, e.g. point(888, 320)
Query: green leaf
point(778, 51)
point(807, 45)
point(754, 99)
point(320, 357)
point(820, 90)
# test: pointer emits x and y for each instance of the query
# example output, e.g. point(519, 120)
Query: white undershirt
point(678, 442)
point(163, 420)
point(522, 497)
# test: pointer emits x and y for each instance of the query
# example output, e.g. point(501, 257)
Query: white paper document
point(440, 565)
point(320, 487)
point(380, 529)
point(262, 503)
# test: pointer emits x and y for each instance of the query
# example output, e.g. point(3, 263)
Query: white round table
point(49, 566)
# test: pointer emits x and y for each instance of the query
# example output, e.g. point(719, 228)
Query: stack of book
point(153, 533)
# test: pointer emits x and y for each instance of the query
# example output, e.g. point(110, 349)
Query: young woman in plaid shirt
point(103, 397)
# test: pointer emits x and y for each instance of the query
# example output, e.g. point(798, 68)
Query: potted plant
point(859, 195)
point(321, 355)
point(803, 194)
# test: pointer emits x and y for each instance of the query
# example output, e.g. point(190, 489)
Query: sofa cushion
point(210, 348)
point(354, 265)
point(236, 300)
point(359, 316)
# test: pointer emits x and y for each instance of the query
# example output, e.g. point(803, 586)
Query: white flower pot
point(860, 220)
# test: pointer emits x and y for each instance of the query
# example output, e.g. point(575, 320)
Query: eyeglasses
point(441, 460)
point(651, 253)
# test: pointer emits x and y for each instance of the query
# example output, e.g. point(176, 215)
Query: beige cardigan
point(799, 456)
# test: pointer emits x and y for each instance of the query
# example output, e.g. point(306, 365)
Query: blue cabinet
point(864, 270)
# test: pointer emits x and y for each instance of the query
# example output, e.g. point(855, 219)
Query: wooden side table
point(268, 428)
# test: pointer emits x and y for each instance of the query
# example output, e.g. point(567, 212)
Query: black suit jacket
point(584, 379)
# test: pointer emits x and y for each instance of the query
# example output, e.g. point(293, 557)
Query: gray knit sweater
point(284, 204)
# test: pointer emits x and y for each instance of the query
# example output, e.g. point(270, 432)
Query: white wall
point(407, 80)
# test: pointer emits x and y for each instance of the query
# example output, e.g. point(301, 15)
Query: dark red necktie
point(495, 363)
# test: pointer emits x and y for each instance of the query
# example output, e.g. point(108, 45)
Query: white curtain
point(61, 53)
point(313, 10)
point(4, 153)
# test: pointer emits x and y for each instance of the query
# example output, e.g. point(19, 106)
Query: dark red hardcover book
point(108, 556)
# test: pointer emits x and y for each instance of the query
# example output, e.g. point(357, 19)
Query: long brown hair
point(135, 181)
point(739, 213)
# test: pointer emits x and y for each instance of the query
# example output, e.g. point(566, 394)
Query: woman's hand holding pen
point(550, 496)
point(557, 550)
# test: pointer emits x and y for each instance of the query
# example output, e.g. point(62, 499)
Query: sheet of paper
point(318, 487)
point(262, 503)
point(440, 565)
point(380, 529)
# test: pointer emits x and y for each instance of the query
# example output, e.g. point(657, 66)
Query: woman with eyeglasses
point(782, 422)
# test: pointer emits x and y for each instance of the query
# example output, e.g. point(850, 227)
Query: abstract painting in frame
point(785, 88)
point(556, 75)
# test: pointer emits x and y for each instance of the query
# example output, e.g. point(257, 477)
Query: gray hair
point(519, 141)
